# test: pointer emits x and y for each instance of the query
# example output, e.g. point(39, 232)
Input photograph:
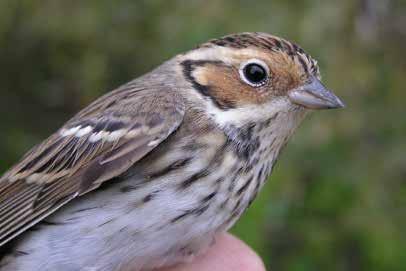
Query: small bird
point(148, 174)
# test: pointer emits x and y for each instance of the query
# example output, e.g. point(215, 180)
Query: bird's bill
point(315, 95)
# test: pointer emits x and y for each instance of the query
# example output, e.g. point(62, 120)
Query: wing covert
point(101, 142)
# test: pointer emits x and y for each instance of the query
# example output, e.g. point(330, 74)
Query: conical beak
point(315, 96)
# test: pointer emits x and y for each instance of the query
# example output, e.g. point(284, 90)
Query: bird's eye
point(254, 72)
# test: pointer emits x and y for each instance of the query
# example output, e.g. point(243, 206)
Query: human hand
point(228, 254)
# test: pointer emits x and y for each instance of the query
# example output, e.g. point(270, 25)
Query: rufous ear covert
point(147, 175)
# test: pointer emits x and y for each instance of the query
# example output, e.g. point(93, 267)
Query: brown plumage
point(63, 167)
point(190, 143)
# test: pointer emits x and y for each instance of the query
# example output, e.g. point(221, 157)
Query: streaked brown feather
point(269, 43)
point(65, 166)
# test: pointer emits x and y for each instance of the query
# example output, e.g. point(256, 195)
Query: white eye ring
point(242, 71)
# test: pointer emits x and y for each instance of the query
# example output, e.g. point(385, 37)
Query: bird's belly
point(142, 222)
point(149, 225)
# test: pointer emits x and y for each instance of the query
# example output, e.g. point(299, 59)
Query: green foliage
point(337, 198)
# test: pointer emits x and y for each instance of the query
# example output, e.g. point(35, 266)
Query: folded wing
point(98, 144)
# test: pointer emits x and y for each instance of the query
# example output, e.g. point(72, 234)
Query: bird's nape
point(150, 173)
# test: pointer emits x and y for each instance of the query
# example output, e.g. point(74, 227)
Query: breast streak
point(161, 212)
point(167, 208)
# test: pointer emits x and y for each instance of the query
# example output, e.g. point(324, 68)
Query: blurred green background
point(337, 198)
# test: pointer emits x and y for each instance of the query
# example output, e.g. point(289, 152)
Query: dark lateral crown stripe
point(267, 42)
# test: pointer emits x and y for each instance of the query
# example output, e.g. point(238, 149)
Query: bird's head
point(250, 77)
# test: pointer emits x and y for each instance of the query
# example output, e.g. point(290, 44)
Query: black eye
point(254, 74)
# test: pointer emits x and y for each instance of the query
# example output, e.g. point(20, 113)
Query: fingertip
point(240, 255)
point(228, 254)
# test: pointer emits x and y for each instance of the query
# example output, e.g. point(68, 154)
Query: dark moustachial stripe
point(206, 91)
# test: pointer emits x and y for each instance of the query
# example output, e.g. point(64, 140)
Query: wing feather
point(98, 144)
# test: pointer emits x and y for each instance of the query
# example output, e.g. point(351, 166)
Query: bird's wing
point(101, 142)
